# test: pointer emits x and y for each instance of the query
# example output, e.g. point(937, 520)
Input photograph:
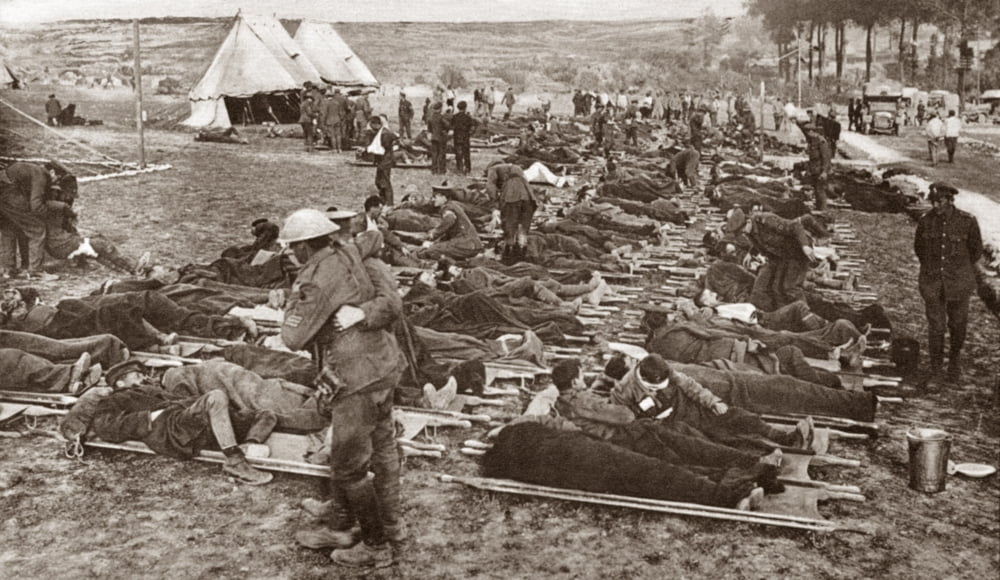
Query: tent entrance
point(260, 108)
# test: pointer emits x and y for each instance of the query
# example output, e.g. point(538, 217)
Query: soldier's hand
point(276, 298)
point(347, 316)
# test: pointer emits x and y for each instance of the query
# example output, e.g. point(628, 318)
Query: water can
point(928, 459)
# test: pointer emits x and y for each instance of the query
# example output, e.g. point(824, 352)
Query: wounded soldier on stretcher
point(29, 362)
point(551, 292)
point(793, 324)
point(178, 425)
point(140, 319)
point(643, 449)
point(734, 284)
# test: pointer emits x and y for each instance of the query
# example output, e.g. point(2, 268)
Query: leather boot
point(508, 255)
point(521, 254)
point(390, 506)
point(374, 551)
point(955, 367)
point(340, 530)
point(935, 346)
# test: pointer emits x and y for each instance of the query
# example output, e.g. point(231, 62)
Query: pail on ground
point(928, 459)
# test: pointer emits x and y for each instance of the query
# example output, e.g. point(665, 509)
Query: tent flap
point(337, 64)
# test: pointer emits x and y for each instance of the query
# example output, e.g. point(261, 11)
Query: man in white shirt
point(791, 113)
point(952, 127)
point(934, 132)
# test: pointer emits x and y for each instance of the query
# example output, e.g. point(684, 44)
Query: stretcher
point(356, 163)
point(809, 523)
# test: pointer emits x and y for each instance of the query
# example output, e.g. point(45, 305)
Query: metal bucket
point(928, 459)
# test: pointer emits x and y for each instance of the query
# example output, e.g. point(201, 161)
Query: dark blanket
point(537, 454)
point(641, 190)
point(272, 364)
point(760, 393)
point(275, 273)
point(481, 316)
point(728, 196)
point(653, 210)
point(206, 296)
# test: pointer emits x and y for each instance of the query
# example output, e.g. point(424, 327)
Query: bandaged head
point(654, 372)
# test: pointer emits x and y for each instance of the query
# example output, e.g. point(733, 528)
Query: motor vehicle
point(912, 99)
point(942, 102)
point(882, 104)
point(990, 102)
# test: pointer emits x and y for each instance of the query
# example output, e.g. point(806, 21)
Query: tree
point(781, 20)
point(708, 32)
point(965, 17)
point(868, 14)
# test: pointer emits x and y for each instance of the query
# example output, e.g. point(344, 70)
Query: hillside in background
point(551, 56)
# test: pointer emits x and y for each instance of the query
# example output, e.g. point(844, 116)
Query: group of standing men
point(822, 134)
point(461, 125)
point(25, 207)
point(947, 130)
point(339, 118)
point(669, 106)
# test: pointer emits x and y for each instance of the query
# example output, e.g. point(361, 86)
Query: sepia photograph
point(461, 289)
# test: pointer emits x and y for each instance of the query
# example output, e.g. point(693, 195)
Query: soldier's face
point(301, 251)
point(942, 204)
point(130, 380)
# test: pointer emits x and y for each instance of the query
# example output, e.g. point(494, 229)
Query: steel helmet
point(306, 224)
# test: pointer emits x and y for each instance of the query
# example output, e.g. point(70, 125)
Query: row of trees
point(811, 21)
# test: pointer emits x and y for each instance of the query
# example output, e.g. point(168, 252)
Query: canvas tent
point(255, 76)
point(258, 71)
point(8, 80)
point(337, 64)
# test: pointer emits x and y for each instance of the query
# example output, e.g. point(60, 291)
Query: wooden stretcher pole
point(675, 508)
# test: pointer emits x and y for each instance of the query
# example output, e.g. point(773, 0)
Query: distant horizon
point(28, 12)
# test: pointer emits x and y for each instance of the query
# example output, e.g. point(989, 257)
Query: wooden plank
point(265, 463)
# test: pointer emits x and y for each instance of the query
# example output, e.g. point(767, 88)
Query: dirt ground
point(118, 515)
point(973, 168)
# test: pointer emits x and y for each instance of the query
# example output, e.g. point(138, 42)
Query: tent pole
point(137, 76)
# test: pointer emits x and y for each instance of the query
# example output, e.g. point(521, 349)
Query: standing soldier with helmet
point(328, 314)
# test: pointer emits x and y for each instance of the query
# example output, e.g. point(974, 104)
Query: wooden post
point(798, 68)
point(137, 82)
point(760, 126)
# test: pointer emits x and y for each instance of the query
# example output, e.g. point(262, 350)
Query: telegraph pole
point(137, 82)
point(798, 67)
point(760, 125)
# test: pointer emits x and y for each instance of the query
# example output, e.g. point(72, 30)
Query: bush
point(452, 76)
point(588, 79)
point(512, 73)
point(563, 71)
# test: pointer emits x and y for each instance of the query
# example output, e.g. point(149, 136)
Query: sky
point(13, 12)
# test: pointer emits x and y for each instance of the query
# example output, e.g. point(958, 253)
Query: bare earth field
point(117, 515)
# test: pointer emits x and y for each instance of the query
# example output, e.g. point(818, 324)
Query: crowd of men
point(685, 416)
